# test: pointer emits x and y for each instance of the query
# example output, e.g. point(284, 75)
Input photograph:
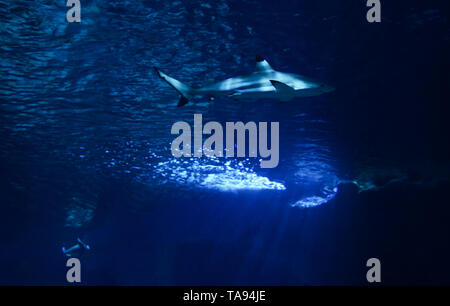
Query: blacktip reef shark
point(263, 83)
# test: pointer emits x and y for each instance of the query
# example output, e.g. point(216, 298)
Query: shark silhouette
point(263, 83)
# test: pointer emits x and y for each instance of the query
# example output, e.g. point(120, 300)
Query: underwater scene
point(107, 113)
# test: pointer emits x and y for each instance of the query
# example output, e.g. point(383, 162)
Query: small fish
point(77, 250)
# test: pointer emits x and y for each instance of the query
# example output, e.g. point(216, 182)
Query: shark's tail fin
point(185, 91)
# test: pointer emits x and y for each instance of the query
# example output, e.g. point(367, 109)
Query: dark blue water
point(85, 144)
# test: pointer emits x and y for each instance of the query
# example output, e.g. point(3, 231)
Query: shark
point(263, 83)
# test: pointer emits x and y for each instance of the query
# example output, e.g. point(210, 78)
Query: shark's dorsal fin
point(282, 88)
point(262, 64)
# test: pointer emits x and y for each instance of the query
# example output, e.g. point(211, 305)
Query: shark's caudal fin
point(185, 91)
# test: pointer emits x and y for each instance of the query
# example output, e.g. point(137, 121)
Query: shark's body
point(263, 83)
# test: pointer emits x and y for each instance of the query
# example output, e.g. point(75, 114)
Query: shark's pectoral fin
point(285, 92)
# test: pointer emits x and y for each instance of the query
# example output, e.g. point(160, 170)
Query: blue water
point(85, 144)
